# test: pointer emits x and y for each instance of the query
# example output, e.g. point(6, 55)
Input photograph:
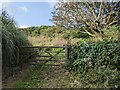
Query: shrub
point(112, 32)
point(94, 55)
point(36, 33)
point(97, 64)
point(100, 78)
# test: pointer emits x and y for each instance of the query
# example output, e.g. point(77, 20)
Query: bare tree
point(93, 17)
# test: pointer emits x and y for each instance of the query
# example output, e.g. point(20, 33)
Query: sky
point(31, 13)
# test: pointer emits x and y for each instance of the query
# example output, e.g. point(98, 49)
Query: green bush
point(94, 55)
point(74, 34)
point(34, 31)
point(66, 35)
point(100, 78)
point(97, 64)
point(52, 31)
point(112, 32)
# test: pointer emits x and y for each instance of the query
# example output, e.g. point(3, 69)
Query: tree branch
point(99, 10)
point(87, 3)
point(90, 33)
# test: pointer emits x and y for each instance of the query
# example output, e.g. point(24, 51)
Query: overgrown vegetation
point(53, 31)
point(94, 55)
point(99, 62)
point(12, 39)
point(95, 64)
point(92, 63)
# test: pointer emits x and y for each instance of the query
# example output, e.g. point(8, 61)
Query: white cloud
point(24, 8)
point(24, 26)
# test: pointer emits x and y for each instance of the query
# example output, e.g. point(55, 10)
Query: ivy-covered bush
point(97, 64)
point(104, 54)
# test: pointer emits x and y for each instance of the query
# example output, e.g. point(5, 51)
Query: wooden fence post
point(68, 49)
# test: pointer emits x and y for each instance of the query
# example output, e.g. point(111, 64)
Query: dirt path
point(37, 76)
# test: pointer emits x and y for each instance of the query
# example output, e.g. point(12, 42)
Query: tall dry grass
point(42, 40)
